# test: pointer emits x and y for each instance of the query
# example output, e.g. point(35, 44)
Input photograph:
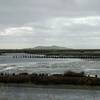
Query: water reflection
point(31, 93)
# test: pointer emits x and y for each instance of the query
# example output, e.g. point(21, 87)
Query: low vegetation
point(68, 77)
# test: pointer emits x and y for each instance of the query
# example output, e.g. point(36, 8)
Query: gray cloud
point(70, 23)
point(22, 11)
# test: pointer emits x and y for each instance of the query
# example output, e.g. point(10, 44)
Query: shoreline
point(50, 86)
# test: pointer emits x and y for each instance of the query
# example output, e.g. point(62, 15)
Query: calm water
point(48, 65)
point(31, 93)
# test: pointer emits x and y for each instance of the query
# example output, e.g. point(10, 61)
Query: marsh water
point(32, 93)
point(9, 64)
point(47, 65)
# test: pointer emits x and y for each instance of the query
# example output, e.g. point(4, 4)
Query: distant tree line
point(76, 53)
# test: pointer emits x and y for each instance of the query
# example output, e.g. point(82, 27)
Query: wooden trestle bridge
point(67, 56)
point(55, 53)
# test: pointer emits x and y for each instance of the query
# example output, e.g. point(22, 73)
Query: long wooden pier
point(54, 53)
point(63, 57)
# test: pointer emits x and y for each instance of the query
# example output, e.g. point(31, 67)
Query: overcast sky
point(69, 23)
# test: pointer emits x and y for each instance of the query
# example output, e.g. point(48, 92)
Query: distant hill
point(50, 47)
